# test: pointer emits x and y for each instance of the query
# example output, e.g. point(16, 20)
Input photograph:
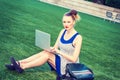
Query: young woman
point(66, 49)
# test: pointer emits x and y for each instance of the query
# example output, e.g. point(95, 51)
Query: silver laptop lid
point(42, 39)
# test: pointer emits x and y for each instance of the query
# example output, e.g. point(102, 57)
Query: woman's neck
point(72, 30)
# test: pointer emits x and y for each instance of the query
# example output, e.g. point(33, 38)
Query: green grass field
point(18, 21)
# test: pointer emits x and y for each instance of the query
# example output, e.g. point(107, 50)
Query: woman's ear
point(74, 22)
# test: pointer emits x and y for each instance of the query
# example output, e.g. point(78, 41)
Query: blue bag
point(78, 71)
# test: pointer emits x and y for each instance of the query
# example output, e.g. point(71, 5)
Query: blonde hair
point(74, 14)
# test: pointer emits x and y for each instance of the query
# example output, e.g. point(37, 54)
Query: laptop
point(42, 40)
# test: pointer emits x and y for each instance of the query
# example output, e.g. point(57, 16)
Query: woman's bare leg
point(31, 58)
point(43, 58)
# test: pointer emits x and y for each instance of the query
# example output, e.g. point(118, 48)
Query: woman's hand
point(54, 50)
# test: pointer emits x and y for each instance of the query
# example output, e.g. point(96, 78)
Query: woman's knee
point(47, 54)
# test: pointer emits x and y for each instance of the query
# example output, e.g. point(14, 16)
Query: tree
point(99, 1)
point(111, 3)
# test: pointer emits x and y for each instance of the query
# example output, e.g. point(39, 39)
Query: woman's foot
point(16, 65)
point(10, 67)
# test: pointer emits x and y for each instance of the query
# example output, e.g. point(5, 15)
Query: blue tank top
point(68, 41)
point(66, 46)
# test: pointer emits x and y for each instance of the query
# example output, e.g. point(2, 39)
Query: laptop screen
point(42, 39)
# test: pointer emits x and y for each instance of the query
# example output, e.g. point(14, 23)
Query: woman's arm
point(56, 43)
point(77, 44)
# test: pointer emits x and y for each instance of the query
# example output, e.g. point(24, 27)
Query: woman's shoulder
point(79, 37)
point(61, 32)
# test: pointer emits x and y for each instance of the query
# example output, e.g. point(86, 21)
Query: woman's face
point(68, 22)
